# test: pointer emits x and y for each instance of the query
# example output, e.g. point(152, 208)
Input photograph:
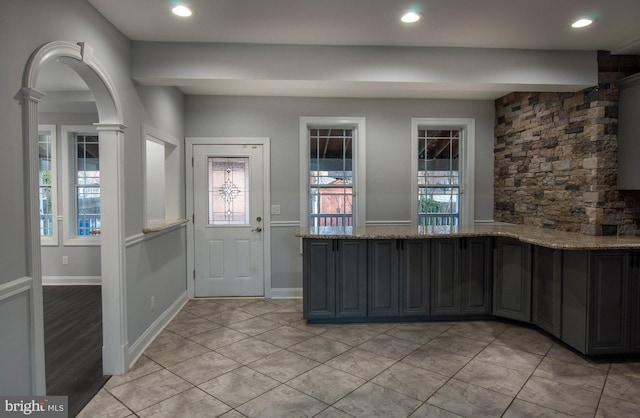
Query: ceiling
point(539, 24)
point(516, 24)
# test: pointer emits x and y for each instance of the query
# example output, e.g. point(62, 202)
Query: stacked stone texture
point(556, 157)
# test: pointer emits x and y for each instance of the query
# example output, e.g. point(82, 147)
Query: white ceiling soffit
point(519, 24)
point(542, 25)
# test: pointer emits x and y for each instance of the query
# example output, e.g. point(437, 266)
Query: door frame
point(190, 142)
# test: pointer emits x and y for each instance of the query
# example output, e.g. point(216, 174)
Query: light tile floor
point(259, 358)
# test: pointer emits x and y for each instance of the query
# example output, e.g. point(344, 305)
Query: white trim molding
point(467, 163)
point(285, 224)
point(359, 162)
point(71, 280)
point(286, 293)
point(14, 287)
point(389, 223)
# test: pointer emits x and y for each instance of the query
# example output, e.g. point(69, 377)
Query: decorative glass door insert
point(228, 190)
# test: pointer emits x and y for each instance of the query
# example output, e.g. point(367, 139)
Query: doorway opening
point(110, 133)
point(228, 242)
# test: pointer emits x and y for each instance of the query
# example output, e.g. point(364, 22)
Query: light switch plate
point(275, 209)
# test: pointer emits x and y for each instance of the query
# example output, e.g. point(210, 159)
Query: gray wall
point(25, 26)
point(388, 124)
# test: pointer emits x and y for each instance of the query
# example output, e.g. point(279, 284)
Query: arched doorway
point(110, 128)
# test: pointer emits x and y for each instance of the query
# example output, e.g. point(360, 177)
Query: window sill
point(158, 225)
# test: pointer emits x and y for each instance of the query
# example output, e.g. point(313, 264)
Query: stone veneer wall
point(556, 157)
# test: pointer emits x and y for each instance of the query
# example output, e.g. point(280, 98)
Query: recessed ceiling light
point(410, 17)
point(581, 23)
point(182, 11)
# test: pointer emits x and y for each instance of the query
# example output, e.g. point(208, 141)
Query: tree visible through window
point(438, 177)
point(331, 177)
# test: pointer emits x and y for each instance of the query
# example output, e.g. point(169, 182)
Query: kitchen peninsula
point(582, 289)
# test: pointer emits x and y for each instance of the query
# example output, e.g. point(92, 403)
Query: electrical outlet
point(65, 260)
point(153, 303)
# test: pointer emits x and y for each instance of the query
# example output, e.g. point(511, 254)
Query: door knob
point(258, 229)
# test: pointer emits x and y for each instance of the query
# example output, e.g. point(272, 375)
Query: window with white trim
point(440, 166)
point(81, 190)
point(47, 184)
point(332, 172)
point(86, 183)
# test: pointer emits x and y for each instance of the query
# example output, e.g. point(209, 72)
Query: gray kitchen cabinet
point(609, 313)
point(398, 278)
point(599, 305)
point(414, 277)
point(335, 279)
point(512, 280)
point(319, 276)
point(351, 278)
point(446, 277)
point(461, 275)
point(635, 302)
point(477, 264)
point(383, 277)
point(546, 294)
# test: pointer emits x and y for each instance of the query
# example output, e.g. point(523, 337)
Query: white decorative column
point(30, 100)
point(113, 251)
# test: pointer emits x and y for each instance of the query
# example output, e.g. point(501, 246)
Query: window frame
point(70, 238)
point(358, 124)
point(466, 165)
point(52, 241)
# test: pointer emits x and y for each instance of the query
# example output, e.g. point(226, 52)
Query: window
point(81, 178)
point(440, 167)
point(47, 190)
point(87, 184)
point(332, 172)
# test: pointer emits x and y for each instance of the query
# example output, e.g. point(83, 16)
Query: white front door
point(228, 203)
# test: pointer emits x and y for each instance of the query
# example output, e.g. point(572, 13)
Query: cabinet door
point(414, 277)
point(635, 302)
point(383, 278)
point(512, 280)
point(445, 277)
point(609, 295)
point(351, 279)
point(547, 289)
point(319, 279)
point(477, 275)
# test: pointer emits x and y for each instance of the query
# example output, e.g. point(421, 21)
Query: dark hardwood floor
point(73, 343)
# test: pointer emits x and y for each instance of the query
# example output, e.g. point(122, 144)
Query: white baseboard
point(71, 280)
point(286, 293)
point(137, 348)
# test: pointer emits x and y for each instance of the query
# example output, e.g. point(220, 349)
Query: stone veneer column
point(556, 157)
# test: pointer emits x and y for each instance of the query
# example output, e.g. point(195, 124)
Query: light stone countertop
point(549, 238)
